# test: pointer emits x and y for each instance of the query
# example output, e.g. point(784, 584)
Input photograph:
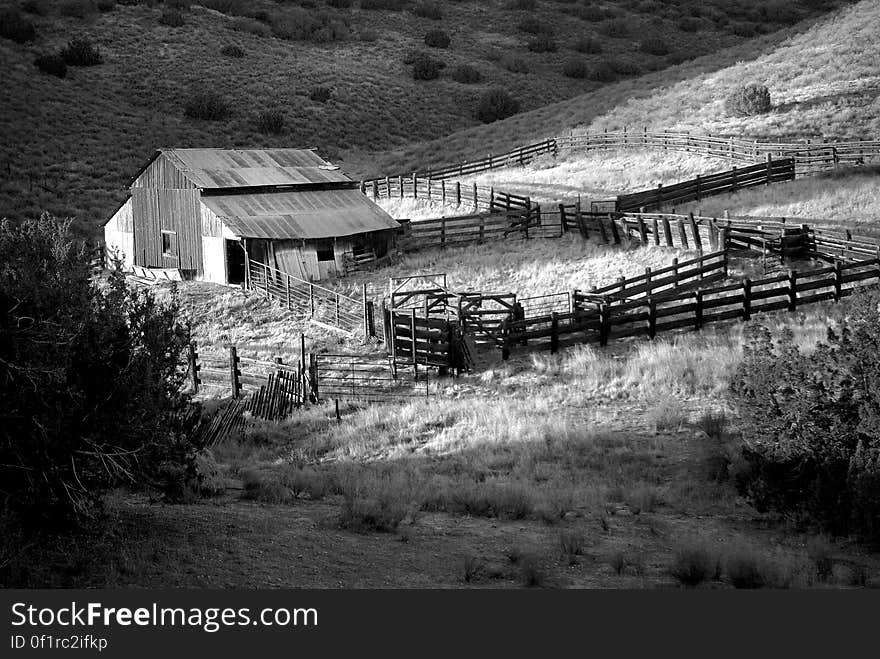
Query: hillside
point(823, 78)
point(70, 144)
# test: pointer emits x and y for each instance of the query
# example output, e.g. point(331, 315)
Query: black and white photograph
point(534, 295)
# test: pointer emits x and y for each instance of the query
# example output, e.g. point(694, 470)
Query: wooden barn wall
point(162, 174)
point(211, 224)
point(119, 235)
point(179, 211)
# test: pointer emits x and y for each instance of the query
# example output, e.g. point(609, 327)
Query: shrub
point(534, 25)
point(533, 575)
point(690, 24)
point(437, 39)
point(466, 74)
point(207, 106)
point(36, 7)
point(810, 424)
point(820, 553)
point(250, 26)
point(81, 52)
point(14, 26)
point(428, 10)
point(90, 394)
point(572, 545)
point(298, 24)
point(522, 5)
point(390, 5)
point(232, 50)
point(542, 44)
point(654, 46)
point(625, 67)
point(51, 63)
point(748, 100)
point(320, 94)
point(515, 64)
point(179, 5)
point(743, 29)
point(575, 68)
point(746, 569)
point(693, 565)
point(340, 4)
point(496, 104)
point(426, 67)
point(590, 13)
point(617, 27)
point(105, 6)
point(77, 8)
point(172, 18)
point(271, 121)
point(588, 46)
point(362, 515)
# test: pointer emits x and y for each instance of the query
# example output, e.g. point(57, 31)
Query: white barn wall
point(214, 259)
point(119, 235)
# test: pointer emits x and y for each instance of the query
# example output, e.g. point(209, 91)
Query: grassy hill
point(70, 144)
point(822, 75)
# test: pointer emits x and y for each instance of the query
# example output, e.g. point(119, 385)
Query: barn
point(207, 212)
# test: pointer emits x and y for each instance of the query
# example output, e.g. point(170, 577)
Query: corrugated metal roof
point(299, 214)
point(230, 168)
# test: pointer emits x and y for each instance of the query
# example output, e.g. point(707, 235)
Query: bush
point(14, 26)
point(437, 39)
point(522, 5)
point(77, 8)
point(603, 72)
point(534, 25)
point(90, 388)
point(390, 5)
point(746, 569)
point(298, 24)
point(575, 68)
point(320, 94)
point(588, 46)
point(542, 44)
point(810, 424)
point(466, 74)
point(690, 24)
point(496, 104)
point(250, 26)
point(232, 50)
point(382, 514)
point(172, 18)
point(694, 565)
point(271, 121)
point(81, 52)
point(51, 63)
point(515, 64)
point(340, 4)
point(625, 67)
point(36, 7)
point(748, 100)
point(207, 106)
point(654, 46)
point(426, 67)
point(617, 27)
point(428, 10)
point(105, 6)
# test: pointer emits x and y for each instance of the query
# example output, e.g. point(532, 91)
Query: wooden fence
point(416, 340)
point(322, 305)
point(474, 228)
point(704, 186)
point(366, 377)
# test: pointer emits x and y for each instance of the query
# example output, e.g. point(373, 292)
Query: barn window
point(325, 251)
point(168, 243)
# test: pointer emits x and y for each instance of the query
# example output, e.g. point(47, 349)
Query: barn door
point(326, 259)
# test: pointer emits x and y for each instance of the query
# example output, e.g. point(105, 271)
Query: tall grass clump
point(588, 46)
point(320, 94)
point(77, 8)
point(694, 564)
point(16, 27)
point(232, 50)
point(514, 64)
point(542, 44)
point(429, 10)
point(466, 74)
point(271, 122)
point(389, 5)
point(575, 68)
point(207, 106)
point(172, 18)
point(426, 67)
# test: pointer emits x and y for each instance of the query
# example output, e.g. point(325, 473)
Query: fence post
point(769, 168)
point(682, 234)
point(675, 272)
point(388, 186)
point(442, 232)
point(554, 332)
point(443, 191)
point(193, 358)
point(747, 299)
point(655, 225)
point(400, 184)
point(562, 218)
point(429, 187)
point(643, 232)
point(838, 280)
point(412, 330)
point(505, 340)
point(313, 377)
point(311, 300)
point(698, 309)
point(476, 199)
point(698, 242)
point(648, 281)
point(659, 195)
point(234, 372)
point(287, 290)
point(604, 323)
point(652, 317)
point(457, 194)
point(614, 232)
point(415, 181)
point(792, 290)
point(699, 187)
point(337, 310)
point(733, 180)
